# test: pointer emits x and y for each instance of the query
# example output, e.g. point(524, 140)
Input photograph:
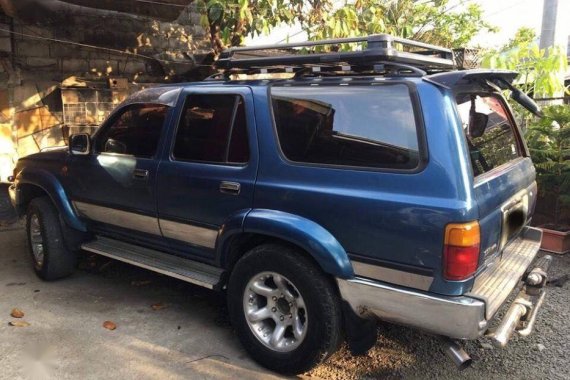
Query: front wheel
point(285, 310)
point(50, 256)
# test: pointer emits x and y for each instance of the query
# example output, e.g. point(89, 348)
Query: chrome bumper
point(454, 317)
point(463, 317)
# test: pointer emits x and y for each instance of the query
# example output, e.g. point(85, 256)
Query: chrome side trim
point(205, 237)
point(455, 317)
point(392, 276)
point(118, 218)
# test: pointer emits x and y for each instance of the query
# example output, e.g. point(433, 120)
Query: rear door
point(504, 176)
point(209, 175)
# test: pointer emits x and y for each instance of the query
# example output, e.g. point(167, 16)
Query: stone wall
point(86, 52)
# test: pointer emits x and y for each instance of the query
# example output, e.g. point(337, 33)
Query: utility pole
point(549, 18)
point(554, 29)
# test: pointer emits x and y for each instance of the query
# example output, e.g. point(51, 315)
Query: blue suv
point(321, 189)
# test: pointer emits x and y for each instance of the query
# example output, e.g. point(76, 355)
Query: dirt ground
point(168, 329)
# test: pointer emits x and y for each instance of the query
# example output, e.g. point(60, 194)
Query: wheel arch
point(33, 183)
point(270, 226)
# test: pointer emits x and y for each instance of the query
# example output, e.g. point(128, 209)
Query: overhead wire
point(89, 46)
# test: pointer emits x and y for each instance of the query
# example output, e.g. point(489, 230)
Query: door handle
point(140, 174)
point(227, 187)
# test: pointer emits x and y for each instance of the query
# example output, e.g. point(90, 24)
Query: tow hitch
point(521, 316)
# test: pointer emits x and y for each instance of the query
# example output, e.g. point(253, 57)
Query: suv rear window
point(362, 126)
point(490, 134)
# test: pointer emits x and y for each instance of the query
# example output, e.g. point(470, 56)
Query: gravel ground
point(400, 353)
point(403, 353)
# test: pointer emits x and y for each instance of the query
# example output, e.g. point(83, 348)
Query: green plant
point(442, 22)
point(549, 142)
point(541, 71)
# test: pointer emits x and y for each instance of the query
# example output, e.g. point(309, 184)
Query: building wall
point(86, 55)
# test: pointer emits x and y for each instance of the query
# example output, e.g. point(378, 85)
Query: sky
point(508, 15)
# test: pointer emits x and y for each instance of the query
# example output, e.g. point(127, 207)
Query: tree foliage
point(435, 22)
point(541, 71)
point(523, 36)
point(431, 21)
point(230, 21)
point(549, 144)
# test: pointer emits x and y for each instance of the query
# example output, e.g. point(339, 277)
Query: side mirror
point(80, 144)
point(477, 124)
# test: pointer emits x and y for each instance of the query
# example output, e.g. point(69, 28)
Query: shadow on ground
point(169, 329)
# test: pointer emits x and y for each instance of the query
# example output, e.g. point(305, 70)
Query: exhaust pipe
point(456, 353)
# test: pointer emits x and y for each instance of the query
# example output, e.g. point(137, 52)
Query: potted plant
point(549, 143)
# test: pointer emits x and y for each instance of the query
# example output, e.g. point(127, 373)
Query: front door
point(113, 188)
point(209, 175)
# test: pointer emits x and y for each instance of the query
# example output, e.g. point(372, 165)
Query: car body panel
point(341, 216)
point(191, 206)
point(46, 170)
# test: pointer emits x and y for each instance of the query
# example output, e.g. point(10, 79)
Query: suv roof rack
point(381, 51)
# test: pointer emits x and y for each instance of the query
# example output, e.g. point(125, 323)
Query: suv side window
point(134, 131)
point(364, 126)
point(212, 129)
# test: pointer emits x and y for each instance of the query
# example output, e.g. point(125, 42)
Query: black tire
point(324, 332)
point(58, 261)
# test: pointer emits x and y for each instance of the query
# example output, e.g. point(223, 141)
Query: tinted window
point(490, 134)
point(372, 126)
point(135, 131)
point(212, 129)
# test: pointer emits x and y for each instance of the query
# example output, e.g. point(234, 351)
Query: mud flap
point(361, 334)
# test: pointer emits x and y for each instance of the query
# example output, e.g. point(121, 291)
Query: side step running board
point(186, 270)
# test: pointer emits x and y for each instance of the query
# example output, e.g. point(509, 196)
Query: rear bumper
point(464, 317)
point(455, 317)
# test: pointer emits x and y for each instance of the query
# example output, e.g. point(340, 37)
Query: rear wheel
point(50, 256)
point(285, 310)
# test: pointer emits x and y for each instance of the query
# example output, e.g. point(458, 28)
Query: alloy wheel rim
point(37, 240)
point(275, 311)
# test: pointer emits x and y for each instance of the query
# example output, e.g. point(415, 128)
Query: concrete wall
point(39, 58)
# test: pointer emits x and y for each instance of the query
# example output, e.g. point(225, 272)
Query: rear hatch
point(503, 173)
point(504, 177)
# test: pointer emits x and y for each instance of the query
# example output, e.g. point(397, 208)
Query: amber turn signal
point(461, 250)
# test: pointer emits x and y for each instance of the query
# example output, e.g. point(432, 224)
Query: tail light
point(461, 250)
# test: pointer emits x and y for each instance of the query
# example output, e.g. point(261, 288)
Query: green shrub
point(548, 140)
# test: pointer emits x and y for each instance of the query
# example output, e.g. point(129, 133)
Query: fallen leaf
point(158, 306)
point(17, 313)
point(140, 283)
point(109, 325)
point(19, 323)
